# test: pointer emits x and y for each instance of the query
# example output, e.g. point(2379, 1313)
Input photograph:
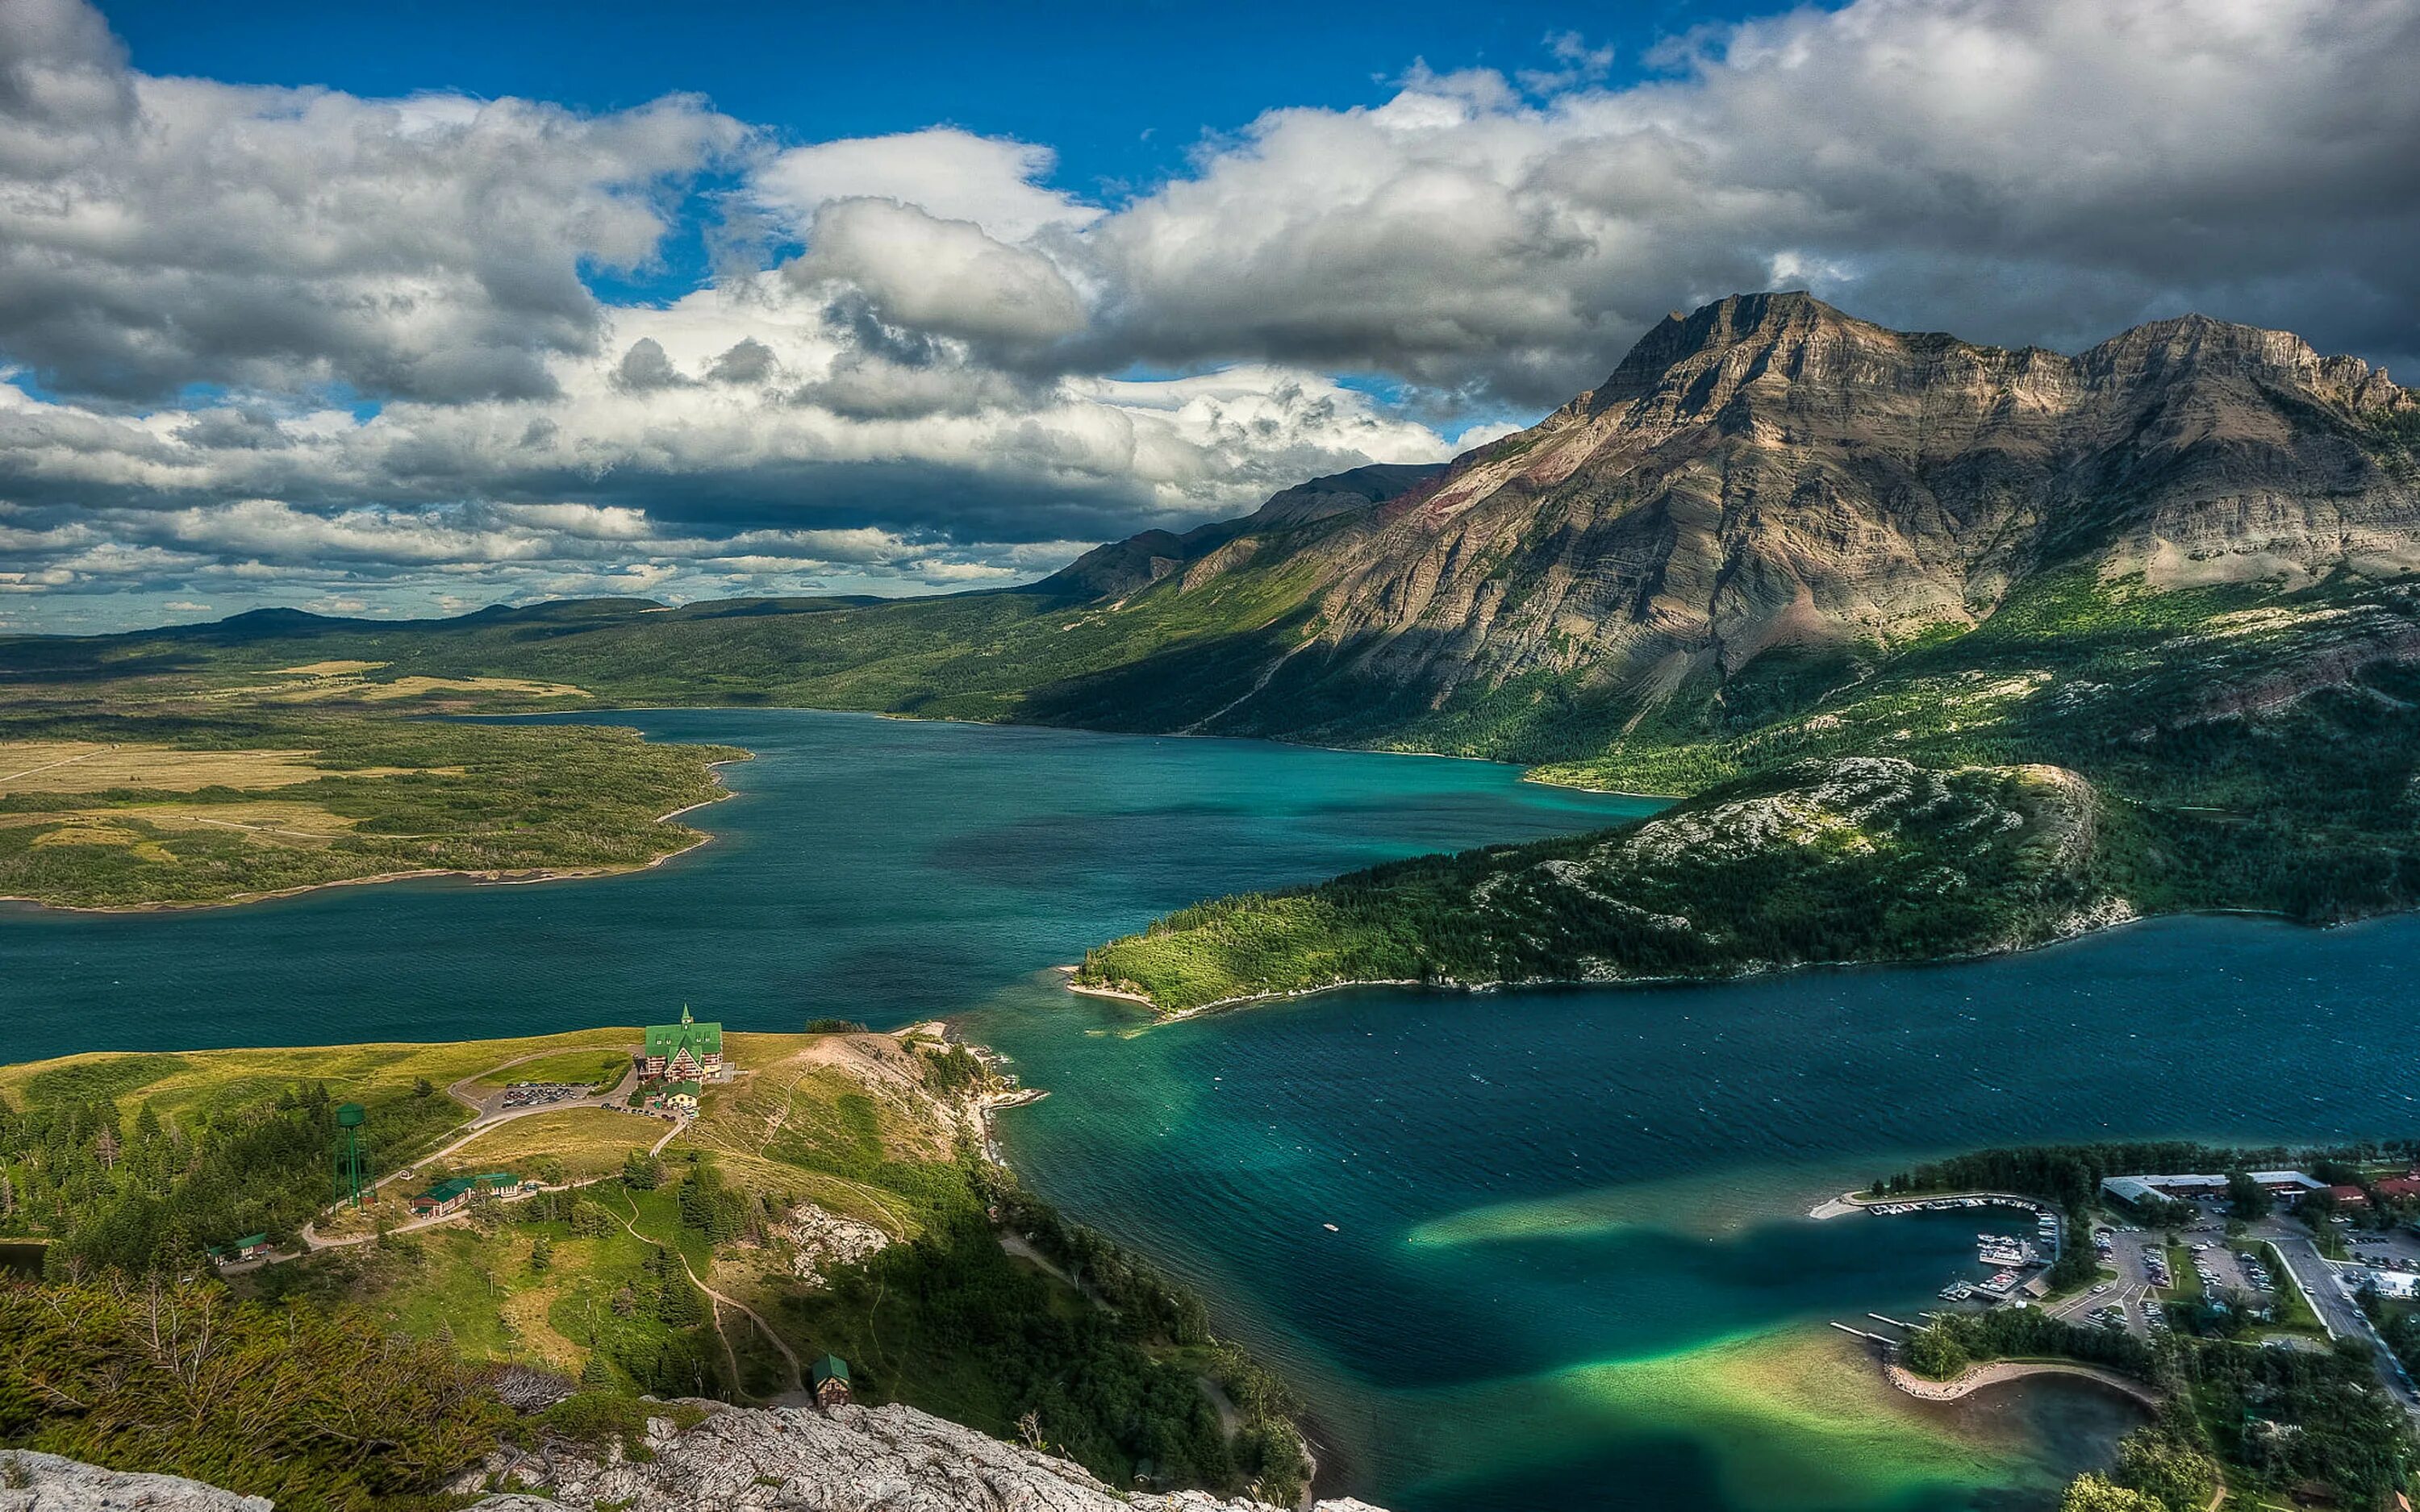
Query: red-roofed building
point(2349, 1196)
point(2399, 1186)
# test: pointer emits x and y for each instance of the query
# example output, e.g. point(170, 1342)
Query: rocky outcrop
point(849, 1460)
point(821, 1239)
point(31, 1482)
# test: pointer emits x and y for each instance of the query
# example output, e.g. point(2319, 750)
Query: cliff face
point(851, 1459)
point(1770, 472)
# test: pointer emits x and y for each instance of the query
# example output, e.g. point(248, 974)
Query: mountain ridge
point(2181, 564)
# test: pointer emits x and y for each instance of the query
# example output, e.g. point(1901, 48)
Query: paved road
point(2340, 1315)
point(485, 1117)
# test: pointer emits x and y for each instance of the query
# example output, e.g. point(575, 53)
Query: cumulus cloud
point(949, 278)
point(950, 174)
point(156, 232)
point(2017, 170)
point(408, 385)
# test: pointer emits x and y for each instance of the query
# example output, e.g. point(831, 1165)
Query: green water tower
point(349, 1153)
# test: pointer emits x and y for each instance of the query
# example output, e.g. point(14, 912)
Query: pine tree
point(178, 1254)
point(596, 1375)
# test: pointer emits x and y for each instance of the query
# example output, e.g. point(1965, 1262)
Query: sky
point(408, 310)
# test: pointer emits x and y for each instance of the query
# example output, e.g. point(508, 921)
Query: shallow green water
point(1567, 1268)
point(1570, 1266)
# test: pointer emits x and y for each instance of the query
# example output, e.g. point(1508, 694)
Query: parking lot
point(541, 1094)
point(2128, 1301)
point(2397, 1251)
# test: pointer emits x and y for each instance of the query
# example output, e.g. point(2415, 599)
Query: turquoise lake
point(1569, 1266)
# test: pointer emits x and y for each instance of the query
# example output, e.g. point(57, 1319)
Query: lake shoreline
point(500, 877)
point(1444, 987)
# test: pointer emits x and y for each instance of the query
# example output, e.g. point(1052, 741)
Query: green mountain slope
point(2179, 564)
point(1858, 859)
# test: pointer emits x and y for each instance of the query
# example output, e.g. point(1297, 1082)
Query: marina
point(2013, 1261)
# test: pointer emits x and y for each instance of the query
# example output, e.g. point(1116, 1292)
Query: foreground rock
point(31, 1482)
point(849, 1459)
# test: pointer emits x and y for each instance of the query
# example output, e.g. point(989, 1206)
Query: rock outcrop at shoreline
point(735, 1459)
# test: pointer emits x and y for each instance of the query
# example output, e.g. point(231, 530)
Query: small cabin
point(453, 1195)
point(250, 1247)
point(829, 1376)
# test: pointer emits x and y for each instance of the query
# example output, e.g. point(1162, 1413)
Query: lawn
point(590, 1142)
point(2182, 1271)
point(598, 1066)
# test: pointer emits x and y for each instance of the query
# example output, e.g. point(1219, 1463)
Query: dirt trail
point(789, 1356)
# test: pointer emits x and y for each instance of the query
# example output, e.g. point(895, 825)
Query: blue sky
point(1123, 93)
point(413, 309)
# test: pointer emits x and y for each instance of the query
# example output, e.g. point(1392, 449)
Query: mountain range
point(2181, 564)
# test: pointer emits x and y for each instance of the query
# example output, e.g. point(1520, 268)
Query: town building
point(2399, 1186)
point(250, 1247)
point(685, 1052)
point(830, 1377)
point(2350, 1196)
point(681, 1098)
point(2288, 1186)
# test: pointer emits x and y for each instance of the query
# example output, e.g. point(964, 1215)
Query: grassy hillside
point(1859, 859)
point(132, 1163)
point(2261, 743)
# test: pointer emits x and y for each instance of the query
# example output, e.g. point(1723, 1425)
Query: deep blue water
point(1569, 1266)
point(874, 868)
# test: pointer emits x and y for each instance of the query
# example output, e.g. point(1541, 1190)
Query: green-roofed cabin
point(250, 1247)
point(829, 1377)
point(444, 1198)
point(685, 1052)
point(681, 1097)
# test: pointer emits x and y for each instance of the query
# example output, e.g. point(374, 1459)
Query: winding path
point(797, 1381)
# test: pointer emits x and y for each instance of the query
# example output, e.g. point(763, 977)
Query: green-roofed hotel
point(685, 1052)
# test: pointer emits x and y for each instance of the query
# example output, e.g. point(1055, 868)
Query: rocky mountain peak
point(2196, 349)
point(1767, 475)
point(1761, 324)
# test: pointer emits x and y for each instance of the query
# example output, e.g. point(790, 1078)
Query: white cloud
point(949, 173)
point(160, 232)
point(2018, 170)
point(948, 277)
